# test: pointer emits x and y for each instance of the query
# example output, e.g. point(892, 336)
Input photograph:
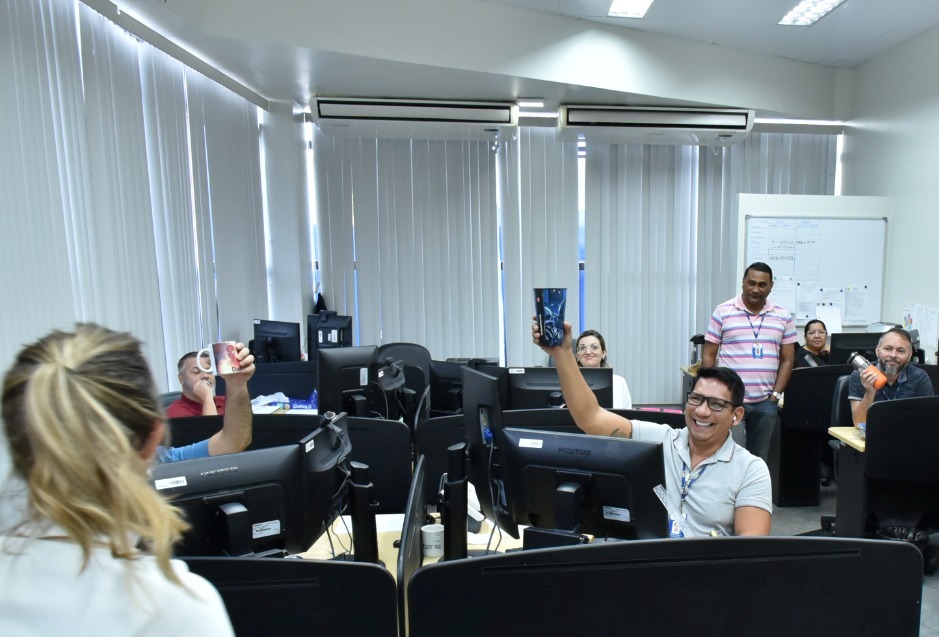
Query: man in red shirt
point(198, 387)
point(199, 399)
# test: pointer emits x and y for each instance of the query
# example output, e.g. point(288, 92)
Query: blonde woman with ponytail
point(85, 541)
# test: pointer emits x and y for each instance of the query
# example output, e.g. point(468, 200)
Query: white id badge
point(758, 350)
point(675, 528)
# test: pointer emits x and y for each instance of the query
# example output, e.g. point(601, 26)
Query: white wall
point(891, 149)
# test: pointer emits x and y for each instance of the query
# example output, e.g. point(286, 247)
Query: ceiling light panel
point(628, 8)
point(808, 12)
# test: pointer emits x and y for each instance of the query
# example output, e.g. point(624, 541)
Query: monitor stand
point(568, 498)
point(364, 531)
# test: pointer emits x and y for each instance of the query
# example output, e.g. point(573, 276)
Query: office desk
point(851, 505)
point(849, 436)
point(389, 527)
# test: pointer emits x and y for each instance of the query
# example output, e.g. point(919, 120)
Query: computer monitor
point(343, 376)
point(325, 330)
point(577, 483)
point(276, 341)
point(568, 484)
point(539, 387)
point(843, 344)
point(267, 502)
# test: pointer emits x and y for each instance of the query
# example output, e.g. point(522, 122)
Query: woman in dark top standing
point(815, 350)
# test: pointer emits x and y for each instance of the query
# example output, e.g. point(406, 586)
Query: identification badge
point(675, 527)
point(758, 350)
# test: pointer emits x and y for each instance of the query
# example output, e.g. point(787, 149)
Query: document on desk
point(302, 412)
point(264, 409)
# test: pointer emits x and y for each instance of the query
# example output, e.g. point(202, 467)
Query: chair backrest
point(385, 446)
point(809, 396)
point(903, 440)
point(933, 372)
point(412, 355)
point(168, 398)
point(267, 596)
point(840, 405)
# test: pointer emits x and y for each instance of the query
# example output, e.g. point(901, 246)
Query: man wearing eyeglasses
point(713, 486)
point(756, 338)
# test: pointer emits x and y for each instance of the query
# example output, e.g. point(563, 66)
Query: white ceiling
point(853, 33)
point(266, 55)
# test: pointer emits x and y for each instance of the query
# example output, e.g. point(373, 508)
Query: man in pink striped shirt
point(755, 338)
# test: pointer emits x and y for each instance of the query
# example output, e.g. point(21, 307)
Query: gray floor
point(796, 520)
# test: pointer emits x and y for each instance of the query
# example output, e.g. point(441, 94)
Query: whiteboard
point(835, 262)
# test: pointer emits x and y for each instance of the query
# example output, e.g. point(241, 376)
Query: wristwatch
point(777, 395)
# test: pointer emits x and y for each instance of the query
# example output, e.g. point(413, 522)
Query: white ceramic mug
point(432, 540)
point(223, 358)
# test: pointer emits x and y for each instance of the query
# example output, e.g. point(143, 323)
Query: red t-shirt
point(185, 407)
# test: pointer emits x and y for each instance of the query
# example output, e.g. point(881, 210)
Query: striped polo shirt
point(736, 330)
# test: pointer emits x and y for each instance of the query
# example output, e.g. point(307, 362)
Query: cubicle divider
point(295, 597)
point(268, 430)
point(709, 587)
point(409, 549)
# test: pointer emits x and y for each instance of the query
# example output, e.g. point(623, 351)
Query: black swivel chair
point(840, 405)
point(795, 458)
point(902, 461)
point(385, 446)
point(168, 398)
point(416, 361)
point(267, 596)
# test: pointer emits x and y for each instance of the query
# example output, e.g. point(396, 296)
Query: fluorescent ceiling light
point(538, 114)
point(524, 102)
point(800, 122)
point(628, 8)
point(808, 12)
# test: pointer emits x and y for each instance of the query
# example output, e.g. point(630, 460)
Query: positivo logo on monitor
point(571, 451)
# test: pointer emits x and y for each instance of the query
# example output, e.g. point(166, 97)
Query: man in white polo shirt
point(755, 338)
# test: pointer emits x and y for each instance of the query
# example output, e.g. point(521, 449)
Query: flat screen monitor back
point(343, 376)
point(844, 343)
point(276, 341)
point(326, 330)
point(616, 478)
point(538, 387)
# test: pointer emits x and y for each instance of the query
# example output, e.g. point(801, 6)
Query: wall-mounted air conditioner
point(656, 125)
point(415, 119)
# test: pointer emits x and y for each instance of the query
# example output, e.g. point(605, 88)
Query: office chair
point(902, 468)
point(933, 372)
point(298, 597)
point(795, 462)
point(168, 398)
point(840, 405)
point(412, 355)
point(385, 446)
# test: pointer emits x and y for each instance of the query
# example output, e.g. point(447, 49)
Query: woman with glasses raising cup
point(590, 351)
point(815, 350)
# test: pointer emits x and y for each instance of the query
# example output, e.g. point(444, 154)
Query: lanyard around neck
point(756, 330)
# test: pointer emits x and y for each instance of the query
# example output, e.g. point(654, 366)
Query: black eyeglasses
point(714, 404)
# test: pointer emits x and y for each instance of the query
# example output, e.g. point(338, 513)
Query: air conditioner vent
point(415, 119)
point(656, 125)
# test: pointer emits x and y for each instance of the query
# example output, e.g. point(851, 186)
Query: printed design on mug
point(552, 302)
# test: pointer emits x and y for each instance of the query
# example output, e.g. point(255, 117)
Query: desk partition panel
point(711, 587)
